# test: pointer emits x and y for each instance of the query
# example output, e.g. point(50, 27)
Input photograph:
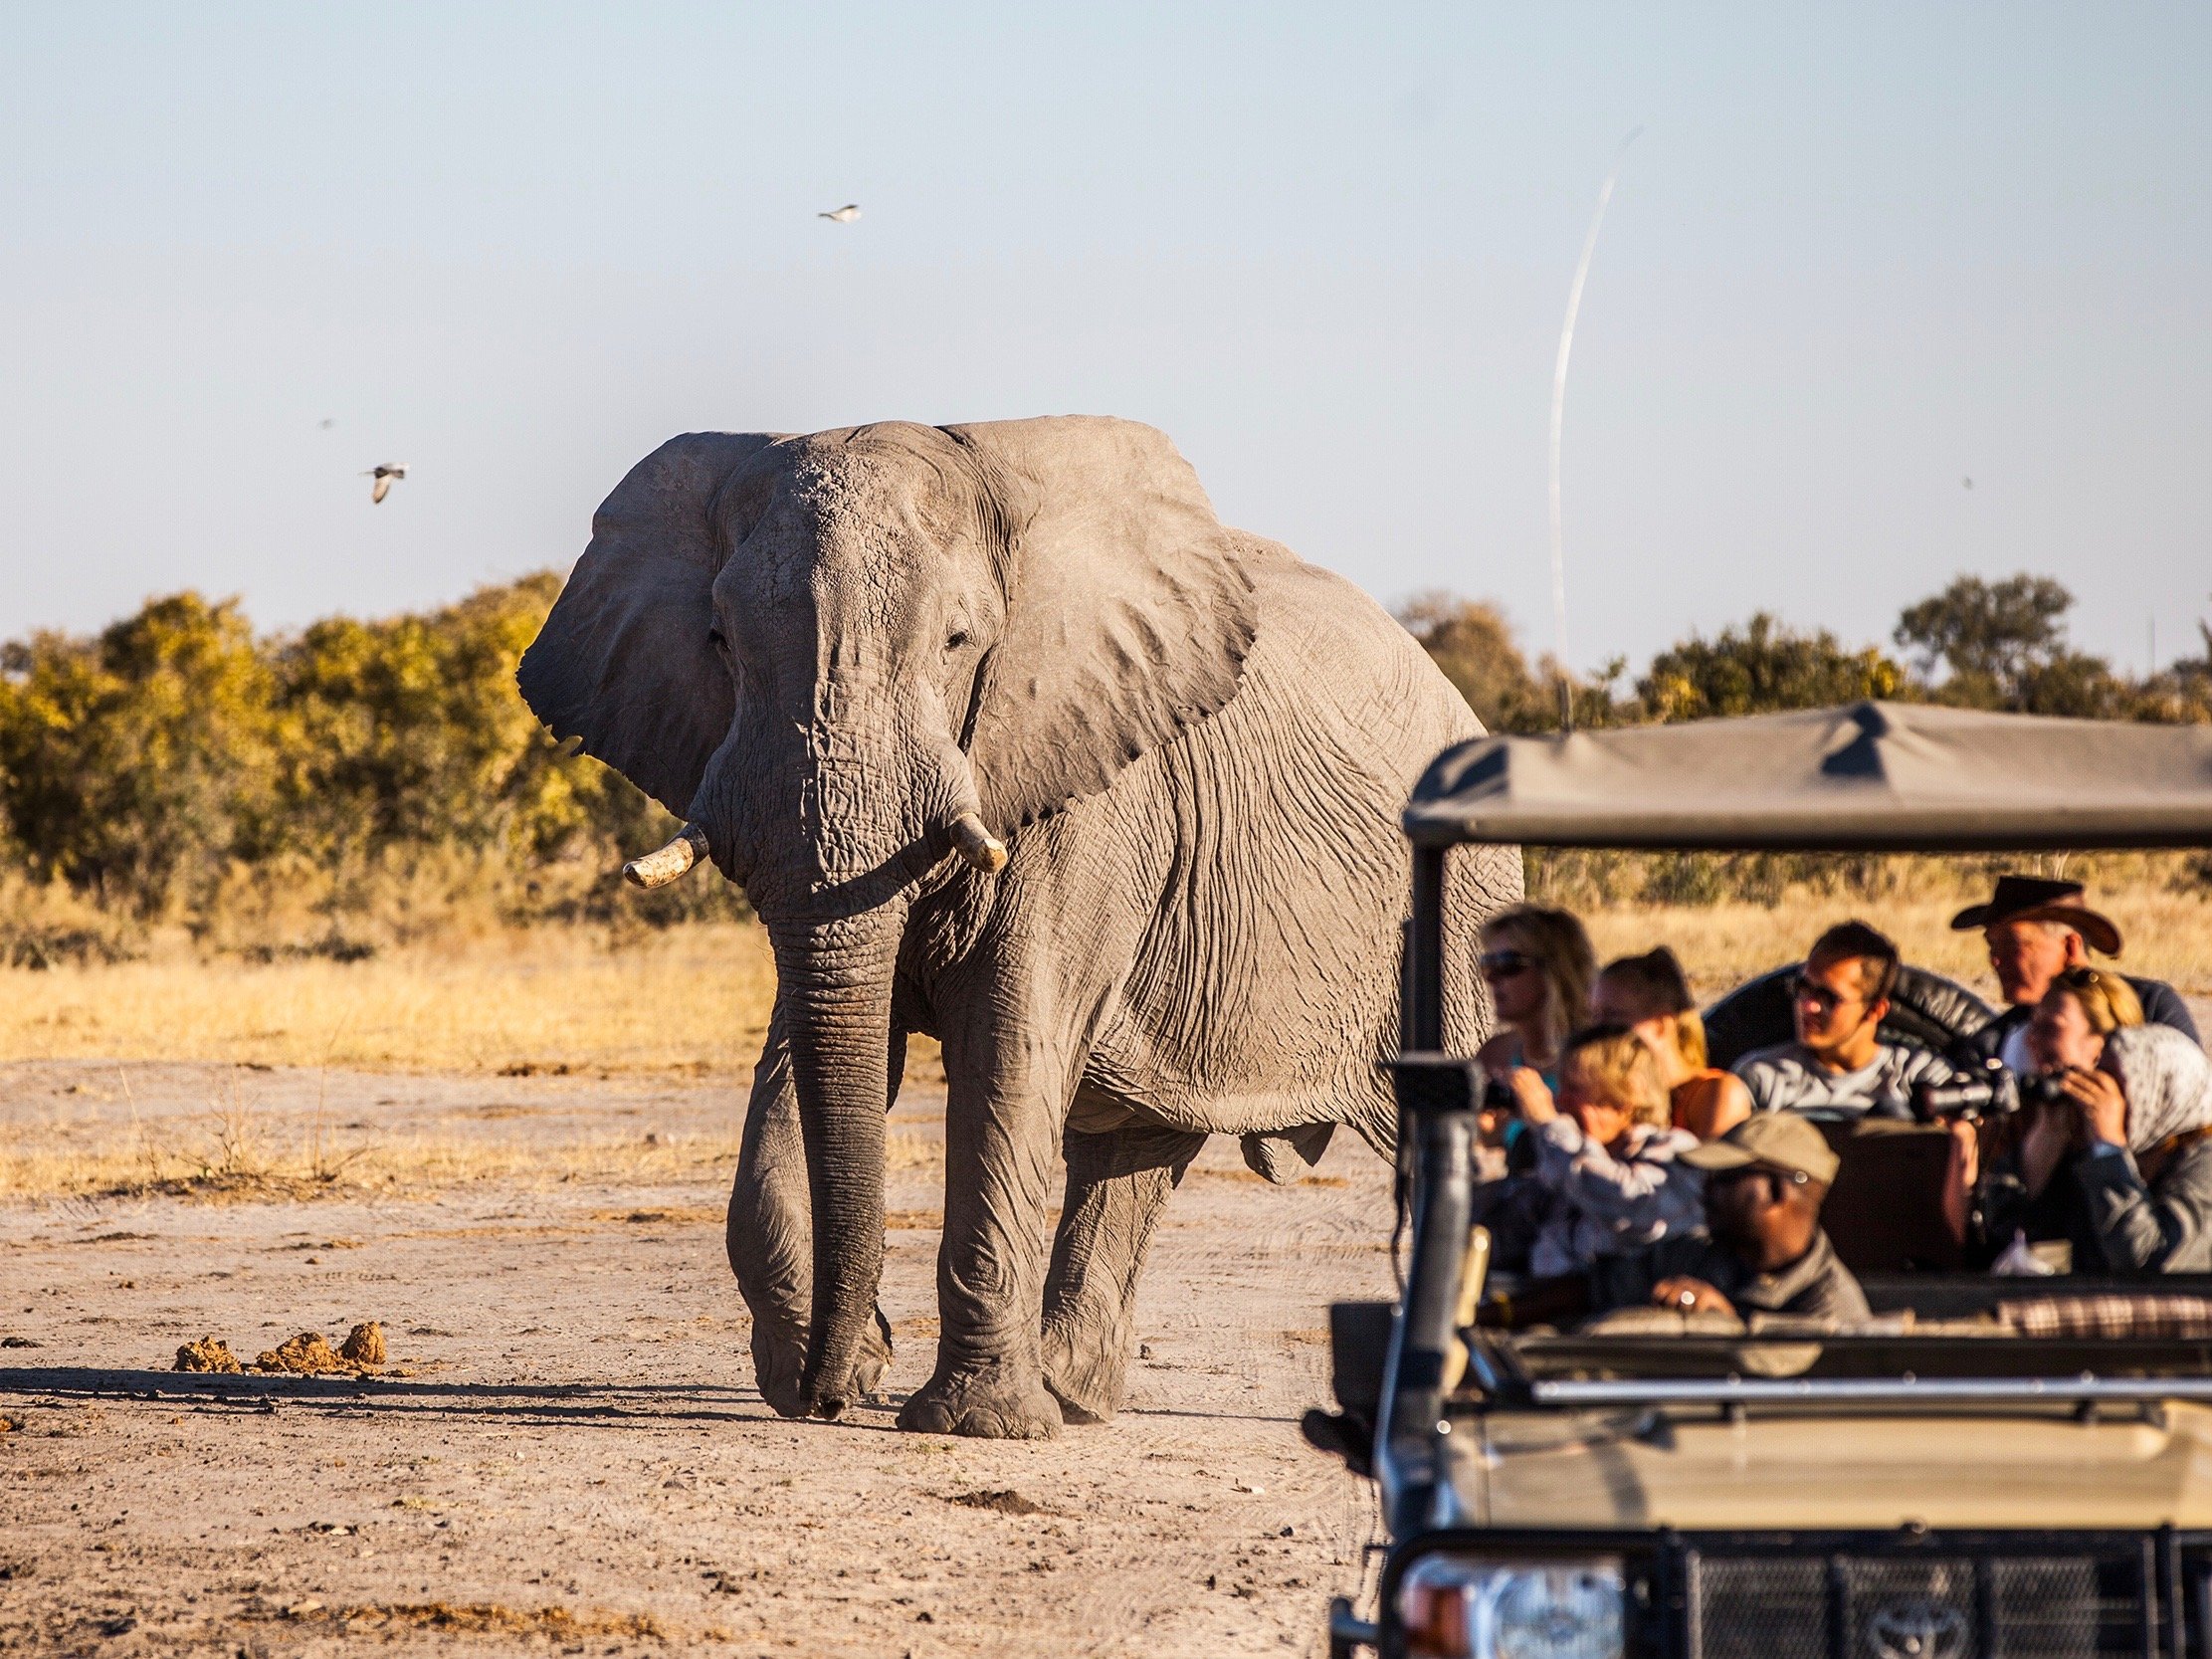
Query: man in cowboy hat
point(2037, 929)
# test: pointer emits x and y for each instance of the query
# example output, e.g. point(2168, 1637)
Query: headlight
point(1462, 1609)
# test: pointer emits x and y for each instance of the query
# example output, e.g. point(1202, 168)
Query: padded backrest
point(1885, 1214)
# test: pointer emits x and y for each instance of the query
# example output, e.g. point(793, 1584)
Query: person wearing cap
point(2036, 930)
point(1763, 1250)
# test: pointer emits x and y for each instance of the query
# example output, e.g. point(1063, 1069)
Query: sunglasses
point(1502, 964)
point(1745, 1171)
point(1815, 995)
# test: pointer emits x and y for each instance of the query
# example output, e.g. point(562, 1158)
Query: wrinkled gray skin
point(821, 650)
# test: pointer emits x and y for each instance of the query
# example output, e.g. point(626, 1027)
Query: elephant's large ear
point(1128, 613)
point(624, 661)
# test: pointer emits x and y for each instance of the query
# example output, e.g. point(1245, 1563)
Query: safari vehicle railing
point(1870, 778)
point(1870, 1390)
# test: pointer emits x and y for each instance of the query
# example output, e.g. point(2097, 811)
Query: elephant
point(1009, 740)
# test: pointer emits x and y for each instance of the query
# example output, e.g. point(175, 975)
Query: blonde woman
point(1650, 996)
point(1537, 964)
point(1606, 1155)
point(2121, 1164)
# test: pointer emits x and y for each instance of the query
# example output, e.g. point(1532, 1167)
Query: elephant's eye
point(715, 638)
point(957, 638)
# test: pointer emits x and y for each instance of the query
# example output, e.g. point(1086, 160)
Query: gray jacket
point(1604, 1205)
point(1815, 1286)
point(2130, 1226)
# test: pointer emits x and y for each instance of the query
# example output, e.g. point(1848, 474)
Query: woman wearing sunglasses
point(1537, 964)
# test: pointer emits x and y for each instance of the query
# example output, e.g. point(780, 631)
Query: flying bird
point(1969, 482)
point(327, 422)
point(386, 476)
point(843, 215)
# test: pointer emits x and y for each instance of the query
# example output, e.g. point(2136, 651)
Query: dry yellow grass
point(696, 998)
point(231, 1153)
point(689, 998)
point(394, 1166)
point(691, 1001)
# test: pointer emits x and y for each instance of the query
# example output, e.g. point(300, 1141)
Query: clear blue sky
point(1860, 254)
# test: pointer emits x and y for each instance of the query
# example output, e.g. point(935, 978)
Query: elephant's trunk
point(836, 978)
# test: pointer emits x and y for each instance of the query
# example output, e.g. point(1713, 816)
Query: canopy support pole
point(1424, 1021)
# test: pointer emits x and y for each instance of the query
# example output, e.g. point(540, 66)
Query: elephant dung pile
point(209, 1353)
point(307, 1355)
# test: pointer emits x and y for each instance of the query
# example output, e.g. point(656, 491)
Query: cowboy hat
point(2032, 899)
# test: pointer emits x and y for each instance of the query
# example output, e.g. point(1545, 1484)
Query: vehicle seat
point(1884, 1212)
point(2111, 1316)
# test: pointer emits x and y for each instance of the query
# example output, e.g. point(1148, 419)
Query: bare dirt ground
point(566, 1453)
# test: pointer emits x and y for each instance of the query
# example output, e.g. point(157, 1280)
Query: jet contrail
point(1558, 421)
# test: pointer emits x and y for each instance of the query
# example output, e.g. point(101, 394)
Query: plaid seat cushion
point(2109, 1316)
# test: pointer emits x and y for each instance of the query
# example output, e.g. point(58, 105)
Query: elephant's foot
point(1087, 1375)
point(780, 1363)
point(992, 1403)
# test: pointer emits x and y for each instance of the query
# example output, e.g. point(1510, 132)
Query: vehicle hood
point(1696, 1469)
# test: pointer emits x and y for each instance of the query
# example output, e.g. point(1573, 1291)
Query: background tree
point(1474, 644)
point(1761, 668)
point(1986, 644)
point(135, 766)
point(150, 766)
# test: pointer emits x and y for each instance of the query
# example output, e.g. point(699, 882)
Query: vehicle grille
point(1900, 1602)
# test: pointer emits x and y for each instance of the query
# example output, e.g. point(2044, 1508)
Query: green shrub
point(176, 767)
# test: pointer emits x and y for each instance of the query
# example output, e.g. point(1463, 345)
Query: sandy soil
point(567, 1454)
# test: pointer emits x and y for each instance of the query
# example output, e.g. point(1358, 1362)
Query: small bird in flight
point(843, 215)
point(386, 476)
point(328, 421)
point(1969, 482)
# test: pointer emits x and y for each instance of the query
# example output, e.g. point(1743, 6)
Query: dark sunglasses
point(1802, 989)
point(1502, 964)
point(1744, 1172)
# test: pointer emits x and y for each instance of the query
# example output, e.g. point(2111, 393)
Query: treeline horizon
point(355, 782)
point(1978, 644)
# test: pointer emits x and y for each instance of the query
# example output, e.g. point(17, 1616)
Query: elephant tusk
point(983, 850)
point(660, 868)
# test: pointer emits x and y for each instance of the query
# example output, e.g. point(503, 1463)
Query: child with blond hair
point(1606, 1155)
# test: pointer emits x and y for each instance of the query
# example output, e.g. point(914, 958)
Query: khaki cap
point(1777, 1140)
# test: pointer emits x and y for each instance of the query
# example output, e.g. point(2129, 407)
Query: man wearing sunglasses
point(1839, 1066)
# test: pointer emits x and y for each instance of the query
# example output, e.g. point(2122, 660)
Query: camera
point(1497, 1096)
point(1984, 1088)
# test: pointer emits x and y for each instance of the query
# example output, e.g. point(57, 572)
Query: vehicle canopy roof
point(1868, 778)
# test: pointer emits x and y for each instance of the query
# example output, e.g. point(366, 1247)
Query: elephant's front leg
point(1002, 1112)
point(770, 1238)
point(1118, 1184)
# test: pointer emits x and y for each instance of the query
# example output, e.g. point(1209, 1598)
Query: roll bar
point(1437, 1096)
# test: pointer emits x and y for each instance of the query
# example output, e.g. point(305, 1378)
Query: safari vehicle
point(1993, 1468)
